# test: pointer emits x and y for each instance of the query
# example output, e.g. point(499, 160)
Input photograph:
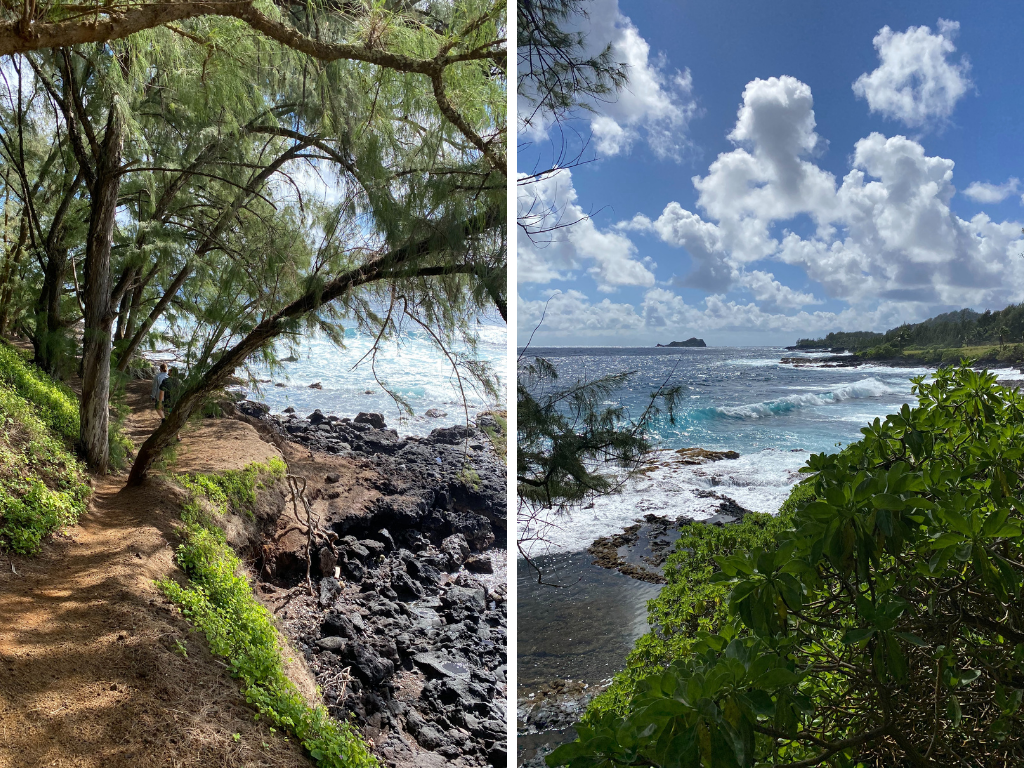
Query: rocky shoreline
point(546, 716)
point(407, 624)
point(641, 550)
point(839, 359)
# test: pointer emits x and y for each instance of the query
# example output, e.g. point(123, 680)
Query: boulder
point(375, 420)
point(450, 435)
point(465, 598)
point(456, 548)
point(405, 587)
point(479, 564)
point(329, 590)
point(332, 643)
point(371, 667)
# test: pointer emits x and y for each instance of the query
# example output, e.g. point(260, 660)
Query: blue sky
point(857, 166)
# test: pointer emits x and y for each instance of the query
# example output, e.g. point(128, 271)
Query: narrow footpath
point(96, 668)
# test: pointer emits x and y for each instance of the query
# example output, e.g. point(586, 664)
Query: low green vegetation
point(42, 486)
point(42, 483)
point(235, 490)
point(876, 622)
point(498, 437)
point(691, 602)
point(219, 601)
point(56, 404)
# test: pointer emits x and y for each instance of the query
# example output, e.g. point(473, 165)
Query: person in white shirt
point(158, 394)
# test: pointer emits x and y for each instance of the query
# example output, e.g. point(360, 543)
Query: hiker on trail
point(157, 395)
point(170, 389)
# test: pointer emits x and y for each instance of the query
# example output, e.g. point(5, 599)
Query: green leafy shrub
point(883, 626)
point(235, 489)
point(691, 602)
point(58, 405)
point(42, 486)
point(219, 601)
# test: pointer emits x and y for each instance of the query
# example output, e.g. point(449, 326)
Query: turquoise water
point(414, 369)
point(740, 399)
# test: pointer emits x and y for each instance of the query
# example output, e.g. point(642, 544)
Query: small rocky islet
point(406, 626)
point(693, 341)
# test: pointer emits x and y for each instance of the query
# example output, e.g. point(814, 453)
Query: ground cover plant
point(219, 601)
point(880, 626)
point(42, 486)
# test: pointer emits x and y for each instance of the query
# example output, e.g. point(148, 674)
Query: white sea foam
point(756, 363)
point(1006, 373)
point(865, 388)
point(759, 481)
point(414, 369)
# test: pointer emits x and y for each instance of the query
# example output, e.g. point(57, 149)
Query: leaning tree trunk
point(99, 312)
point(399, 262)
point(140, 334)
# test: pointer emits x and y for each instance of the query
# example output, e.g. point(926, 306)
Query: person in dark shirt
point(170, 389)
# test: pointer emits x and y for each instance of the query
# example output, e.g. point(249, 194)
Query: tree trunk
point(99, 314)
point(133, 312)
point(45, 340)
point(122, 313)
point(10, 274)
point(179, 280)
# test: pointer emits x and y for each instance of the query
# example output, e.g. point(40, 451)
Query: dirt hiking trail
point(96, 667)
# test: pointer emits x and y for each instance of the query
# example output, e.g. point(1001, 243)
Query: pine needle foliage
point(570, 447)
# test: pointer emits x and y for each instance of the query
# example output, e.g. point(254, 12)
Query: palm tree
point(1003, 333)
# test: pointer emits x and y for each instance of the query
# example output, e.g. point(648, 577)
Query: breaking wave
point(866, 388)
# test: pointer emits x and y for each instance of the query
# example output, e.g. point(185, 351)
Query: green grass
point(42, 486)
point(219, 601)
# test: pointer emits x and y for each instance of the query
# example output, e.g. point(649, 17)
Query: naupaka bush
point(882, 627)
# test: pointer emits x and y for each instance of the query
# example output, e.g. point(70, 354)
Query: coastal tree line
point(230, 179)
point(962, 328)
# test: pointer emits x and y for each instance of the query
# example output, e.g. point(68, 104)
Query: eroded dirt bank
point(403, 620)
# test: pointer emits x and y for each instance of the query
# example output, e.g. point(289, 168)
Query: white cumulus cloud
point(885, 232)
point(573, 314)
point(656, 105)
point(572, 241)
point(983, 192)
point(916, 80)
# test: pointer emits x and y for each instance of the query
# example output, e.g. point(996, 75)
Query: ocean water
point(413, 368)
point(740, 399)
